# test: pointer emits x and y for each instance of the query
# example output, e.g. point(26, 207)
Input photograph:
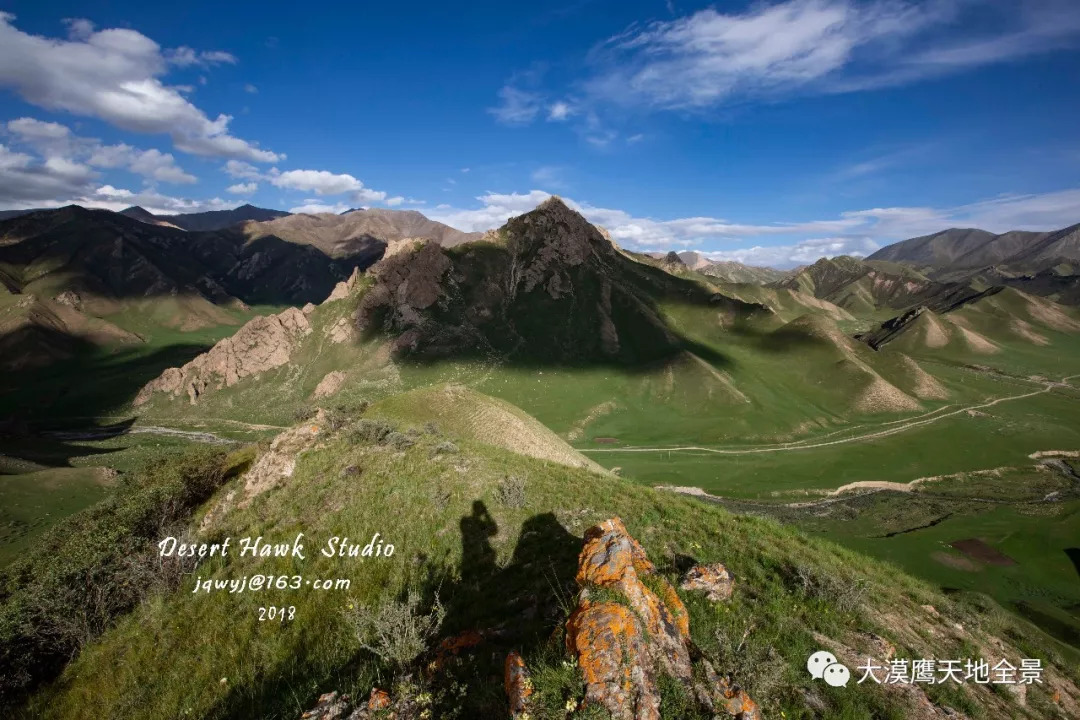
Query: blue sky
point(767, 132)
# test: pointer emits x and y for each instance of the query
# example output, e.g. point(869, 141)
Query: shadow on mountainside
point(1074, 556)
point(471, 303)
point(89, 384)
point(89, 390)
point(109, 255)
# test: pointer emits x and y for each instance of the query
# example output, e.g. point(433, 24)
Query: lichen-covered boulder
point(714, 580)
point(629, 626)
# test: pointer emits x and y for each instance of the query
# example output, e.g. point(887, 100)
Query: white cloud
point(114, 75)
point(249, 88)
point(58, 144)
point(184, 56)
point(394, 201)
point(240, 169)
point(242, 188)
point(116, 199)
point(314, 207)
point(857, 232)
point(775, 49)
point(28, 183)
point(516, 106)
point(559, 111)
point(801, 253)
point(322, 182)
point(157, 165)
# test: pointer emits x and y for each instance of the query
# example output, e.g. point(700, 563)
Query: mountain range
point(496, 396)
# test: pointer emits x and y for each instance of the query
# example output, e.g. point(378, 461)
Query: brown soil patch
point(979, 550)
point(606, 440)
point(955, 562)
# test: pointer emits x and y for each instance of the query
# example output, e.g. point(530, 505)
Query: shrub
point(511, 492)
point(844, 594)
point(370, 431)
point(304, 413)
point(96, 565)
point(398, 441)
point(752, 661)
point(397, 632)
point(445, 448)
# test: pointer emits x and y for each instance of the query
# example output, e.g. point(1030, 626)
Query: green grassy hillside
point(495, 536)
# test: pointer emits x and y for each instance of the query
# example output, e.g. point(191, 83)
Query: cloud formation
point(857, 232)
point(115, 75)
point(799, 47)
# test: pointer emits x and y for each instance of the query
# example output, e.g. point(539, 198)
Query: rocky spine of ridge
point(263, 343)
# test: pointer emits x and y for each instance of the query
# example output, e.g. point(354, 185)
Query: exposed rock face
point(407, 282)
point(622, 646)
point(344, 288)
point(329, 385)
point(714, 580)
point(279, 461)
point(264, 343)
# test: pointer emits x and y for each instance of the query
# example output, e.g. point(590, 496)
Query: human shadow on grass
point(491, 610)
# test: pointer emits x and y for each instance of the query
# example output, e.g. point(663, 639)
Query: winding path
point(788, 447)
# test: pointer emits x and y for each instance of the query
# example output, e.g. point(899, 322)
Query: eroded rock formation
point(262, 344)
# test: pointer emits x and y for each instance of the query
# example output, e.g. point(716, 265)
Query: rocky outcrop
point(408, 280)
point(629, 626)
point(264, 343)
point(278, 463)
point(714, 580)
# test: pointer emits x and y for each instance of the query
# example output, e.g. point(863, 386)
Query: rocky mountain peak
point(554, 235)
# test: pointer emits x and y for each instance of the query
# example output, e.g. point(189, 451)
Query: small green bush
point(398, 441)
point(397, 632)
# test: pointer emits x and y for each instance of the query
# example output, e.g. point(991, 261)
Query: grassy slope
point(208, 656)
point(35, 501)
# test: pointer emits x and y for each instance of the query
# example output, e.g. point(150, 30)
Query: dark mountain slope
point(549, 288)
point(862, 287)
point(205, 221)
point(110, 256)
point(958, 248)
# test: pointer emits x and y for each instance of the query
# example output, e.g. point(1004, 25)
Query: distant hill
point(863, 287)
point(358, 232)
point(211, 220)
point(75, 272)
point(954, 251)
point(727, 270)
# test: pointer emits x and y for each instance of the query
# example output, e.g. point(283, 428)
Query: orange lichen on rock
point(714, 580)
point(623, 646)
point(378, 700)
point(453, 646)
point(517, 683)
point(611, 650)
point(675, 605)
point(609, 551)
